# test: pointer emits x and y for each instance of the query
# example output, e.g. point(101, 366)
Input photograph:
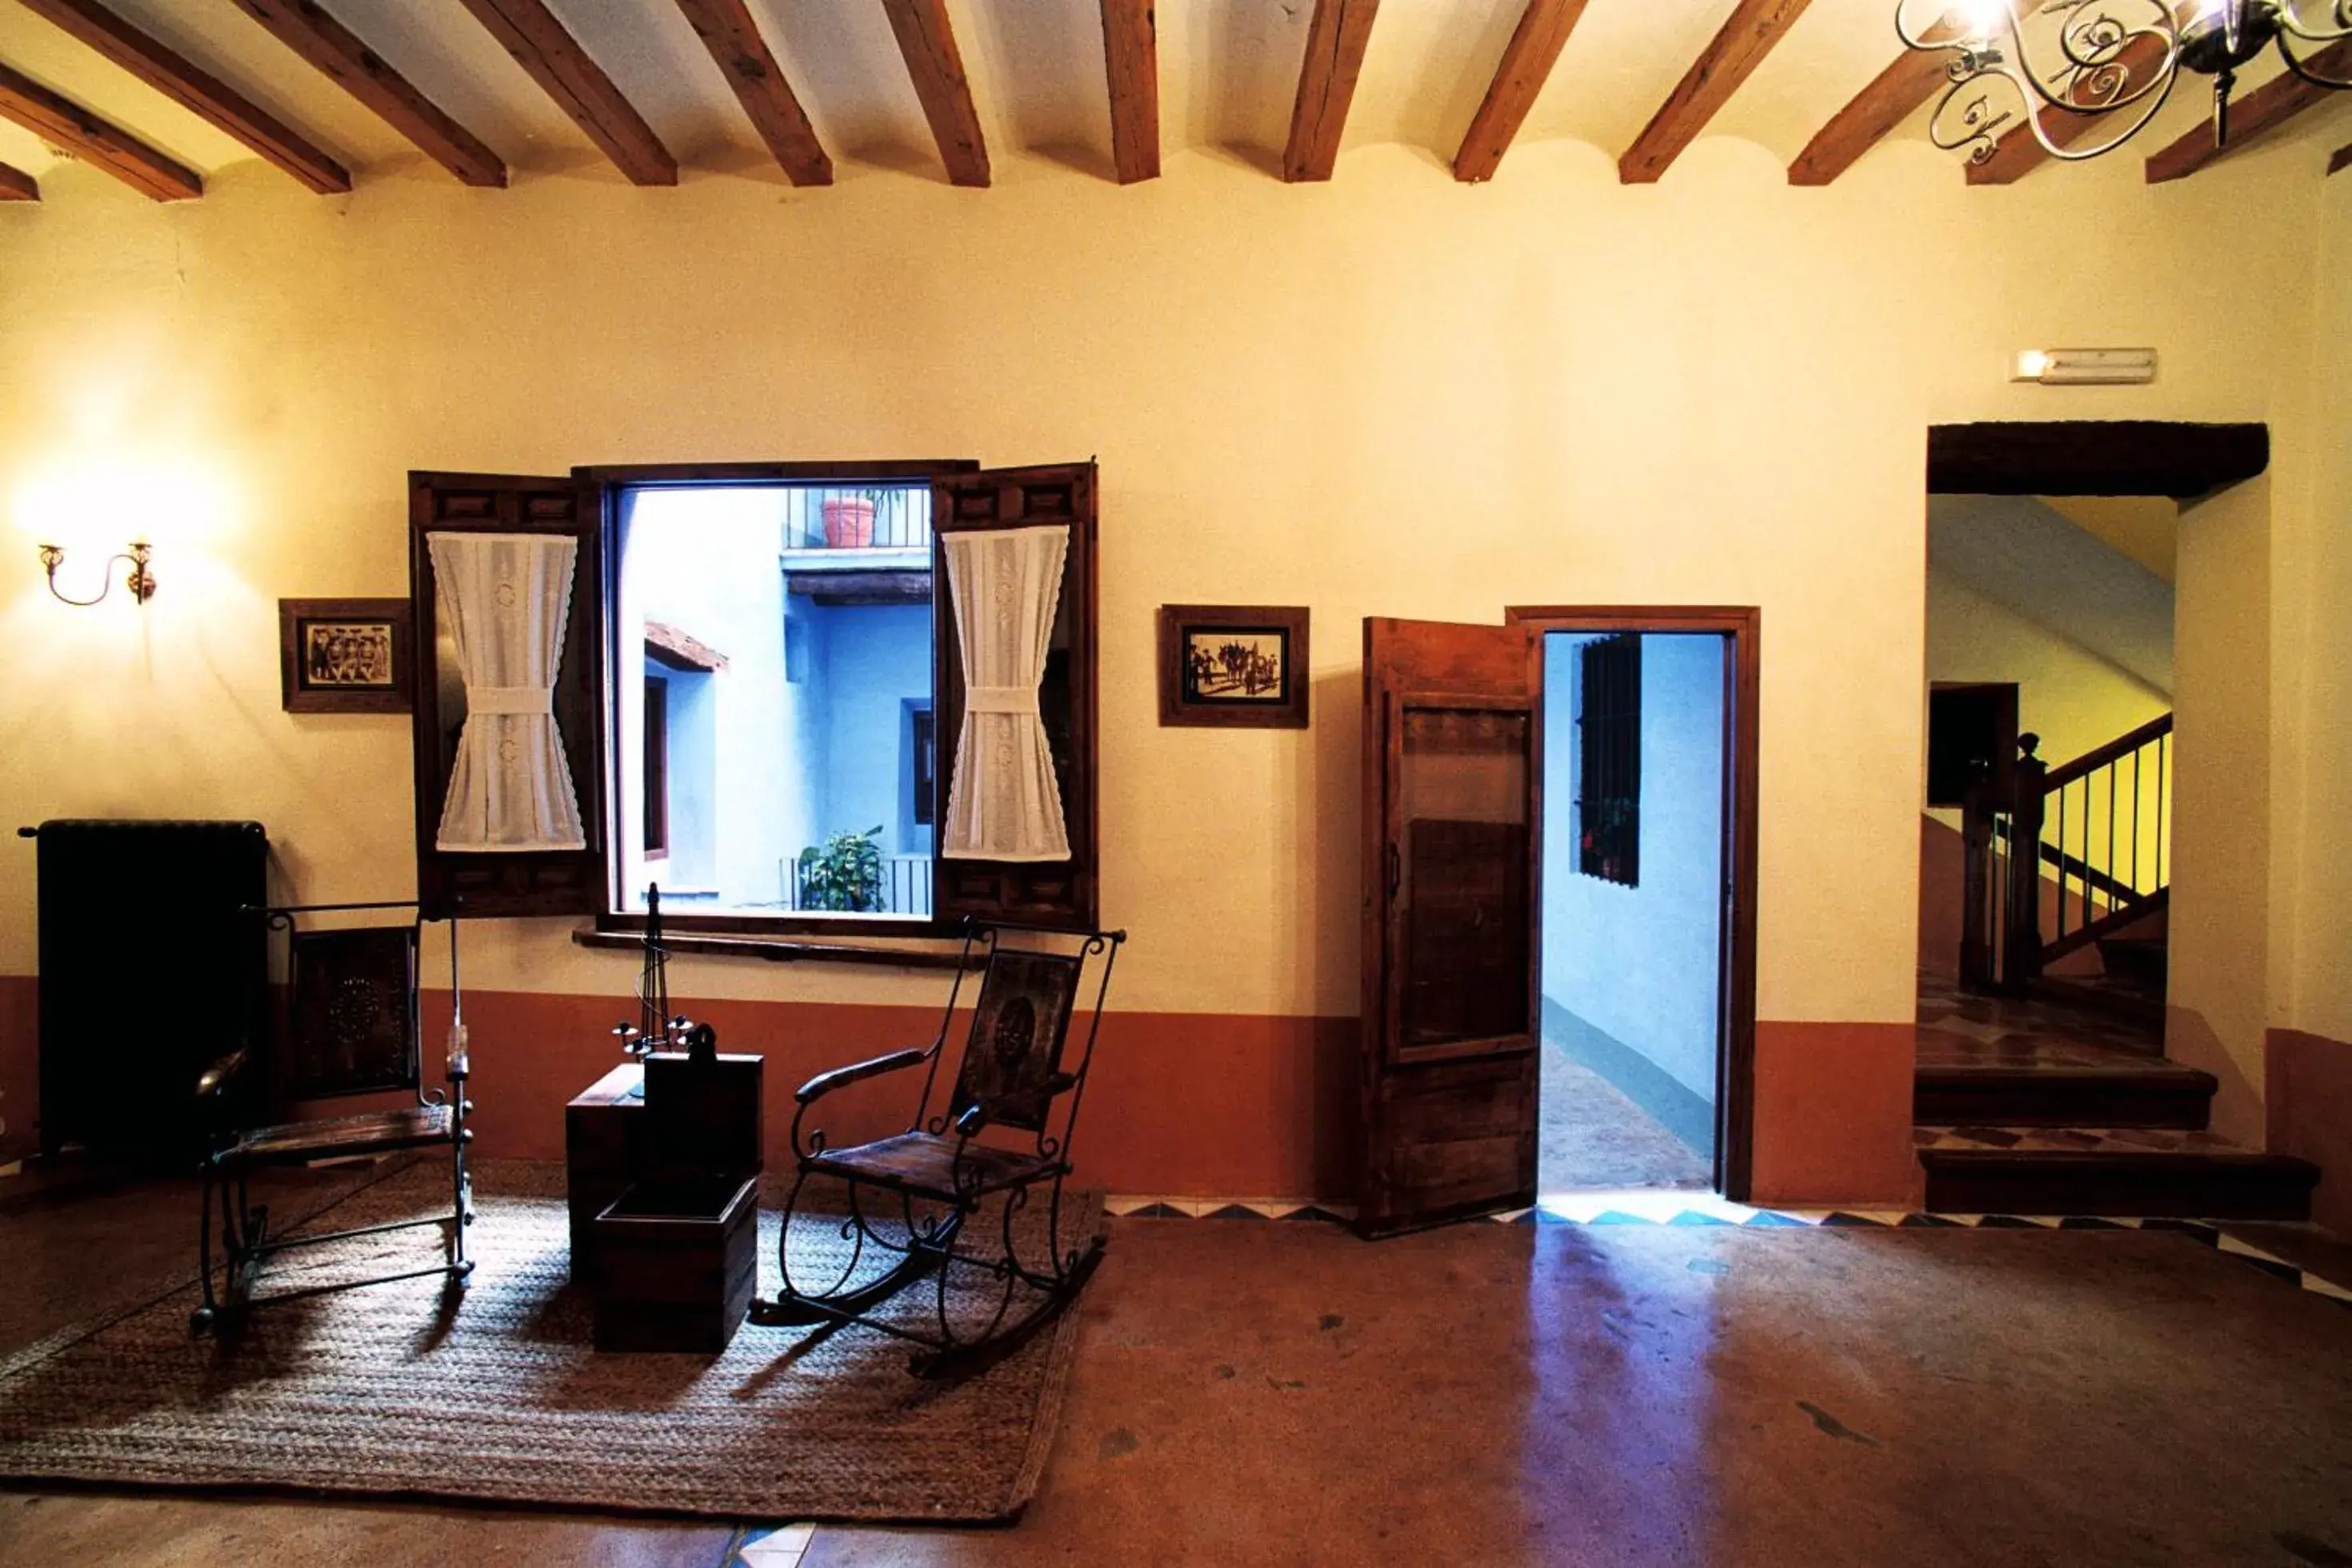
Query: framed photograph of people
point(345, 655)
point(1241, 665)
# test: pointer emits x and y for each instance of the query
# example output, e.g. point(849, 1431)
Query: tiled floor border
point(1655, 1208)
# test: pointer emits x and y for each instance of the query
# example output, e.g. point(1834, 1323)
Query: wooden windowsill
point(778, 950)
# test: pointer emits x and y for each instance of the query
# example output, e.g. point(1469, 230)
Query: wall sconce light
point(2085, 367)
point(138, 580)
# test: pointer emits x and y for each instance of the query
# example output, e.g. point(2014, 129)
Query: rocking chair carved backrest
point(1012, 1069)
point(352, 1024)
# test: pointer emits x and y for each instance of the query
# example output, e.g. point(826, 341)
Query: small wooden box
point(605, 1139)
point(677, 1259)
point(704, 1117)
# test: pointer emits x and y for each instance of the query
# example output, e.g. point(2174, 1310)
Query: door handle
point(1396, 870)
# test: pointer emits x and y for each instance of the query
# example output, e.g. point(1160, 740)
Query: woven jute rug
point(493, 1392)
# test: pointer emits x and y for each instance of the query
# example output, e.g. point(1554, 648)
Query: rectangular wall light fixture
point(2085, 367)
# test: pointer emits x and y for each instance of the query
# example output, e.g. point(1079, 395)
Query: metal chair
point(351, 1026)
point(939, 1175)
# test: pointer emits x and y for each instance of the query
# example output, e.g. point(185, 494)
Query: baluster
point(2021, 960)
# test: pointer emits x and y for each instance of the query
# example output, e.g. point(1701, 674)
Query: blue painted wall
point(871, 659)
point(1640, 964)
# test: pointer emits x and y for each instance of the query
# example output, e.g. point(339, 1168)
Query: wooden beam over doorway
point(2094, 457)
point(305, 28)
point(1527, 59)
point(15, 185)
point(97, 142)
point(197, 90)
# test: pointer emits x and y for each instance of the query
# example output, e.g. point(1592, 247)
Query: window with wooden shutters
point(1608, 760)
point(1042, 877)
point(505, 574)
point(816, 695)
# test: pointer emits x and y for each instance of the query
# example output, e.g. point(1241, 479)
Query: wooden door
point(1452, 856)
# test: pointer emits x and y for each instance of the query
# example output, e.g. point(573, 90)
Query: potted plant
point(849, 519)
point(842, 874)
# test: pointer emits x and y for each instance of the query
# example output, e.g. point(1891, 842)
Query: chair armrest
point(217, 1077)
point(825, 1083)
point(980, 1113)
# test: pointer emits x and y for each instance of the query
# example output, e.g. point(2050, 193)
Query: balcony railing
point(905, 887)
point(867, 519)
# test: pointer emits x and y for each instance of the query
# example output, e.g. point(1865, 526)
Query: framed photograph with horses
point(1233, 665)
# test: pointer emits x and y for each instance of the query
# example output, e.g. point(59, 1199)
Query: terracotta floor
point(1284, 1393)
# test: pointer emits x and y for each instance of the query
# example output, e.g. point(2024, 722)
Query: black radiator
point(153, 966)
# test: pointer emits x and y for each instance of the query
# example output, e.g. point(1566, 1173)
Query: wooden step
point(2141, 959)
point(2202, 1185)
point(2112, 996)
point(2158, 1094)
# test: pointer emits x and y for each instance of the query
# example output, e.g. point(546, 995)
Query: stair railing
point(2100, 835)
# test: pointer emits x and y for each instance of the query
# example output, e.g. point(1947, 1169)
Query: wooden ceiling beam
point(197, 90)
point(2340, 160)
point(937, 66)
point(1897, 92)
point(728, 31)
point(554, 60)
point(1527, 59)
point(15, 185)
point(67, 124)
point(305, 28)
point(1754, 28)
point(1132, 66)
point(2263, 110)
point(1336, 40)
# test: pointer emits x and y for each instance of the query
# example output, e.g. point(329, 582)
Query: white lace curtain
point(504, 599)
point(1003, 802)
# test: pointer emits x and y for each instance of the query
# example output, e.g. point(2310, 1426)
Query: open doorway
point(1633, 914)
point(1646, 947)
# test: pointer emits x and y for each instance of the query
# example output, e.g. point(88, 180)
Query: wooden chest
point(678, 1258)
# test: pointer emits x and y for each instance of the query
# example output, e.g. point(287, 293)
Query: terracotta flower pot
point(848, 523)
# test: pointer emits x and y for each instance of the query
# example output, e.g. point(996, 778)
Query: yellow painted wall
point(2217, 999)
point(1393, 394)
point(2312, 578)
point(2071, 696)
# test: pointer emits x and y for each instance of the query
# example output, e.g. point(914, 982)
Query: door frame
point(1742, 626)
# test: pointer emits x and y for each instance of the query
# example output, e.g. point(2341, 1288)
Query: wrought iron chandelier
point(2112, 62)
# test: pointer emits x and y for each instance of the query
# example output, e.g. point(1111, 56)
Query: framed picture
point(345, 655)
point(1240, 665)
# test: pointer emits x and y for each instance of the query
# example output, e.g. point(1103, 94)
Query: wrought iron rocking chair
point(353, 1028)
point(940, 1174)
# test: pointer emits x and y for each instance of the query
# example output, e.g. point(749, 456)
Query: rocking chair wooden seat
point(370, 1132)
point(931, 1166)
point(352, 1027)
point(1011, 1081)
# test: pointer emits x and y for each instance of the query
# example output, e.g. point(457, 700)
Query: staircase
point(2041, 1085)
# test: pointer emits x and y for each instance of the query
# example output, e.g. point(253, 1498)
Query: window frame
point(609, 481)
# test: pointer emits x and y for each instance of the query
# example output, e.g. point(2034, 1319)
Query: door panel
point(1452, 735)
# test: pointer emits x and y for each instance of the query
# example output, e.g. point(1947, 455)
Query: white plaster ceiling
point(1228, 71)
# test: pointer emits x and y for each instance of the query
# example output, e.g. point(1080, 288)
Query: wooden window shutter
point(1057, 894)
point(491, 883)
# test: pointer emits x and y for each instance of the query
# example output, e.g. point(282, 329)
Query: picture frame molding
point(297, 698)
point(1177, 622)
